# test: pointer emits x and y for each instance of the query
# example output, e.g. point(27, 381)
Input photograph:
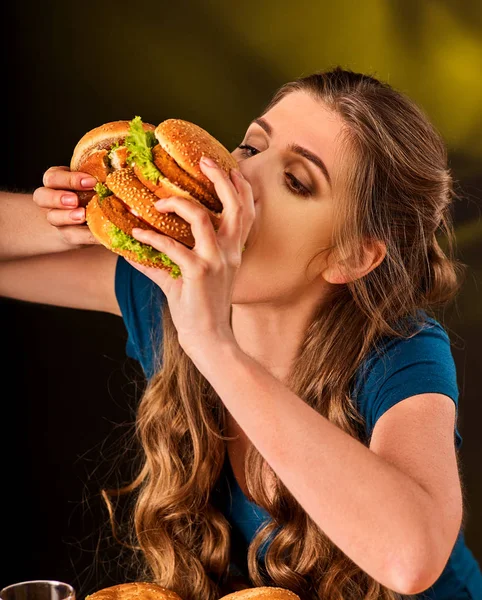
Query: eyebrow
point(304, 152)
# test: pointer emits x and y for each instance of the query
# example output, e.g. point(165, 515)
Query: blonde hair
point(396, 188)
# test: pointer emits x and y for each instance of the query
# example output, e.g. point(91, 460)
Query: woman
point(315, 361)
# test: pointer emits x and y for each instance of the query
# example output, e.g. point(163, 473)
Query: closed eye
point(294, 185)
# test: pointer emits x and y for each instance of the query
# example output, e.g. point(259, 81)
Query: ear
point(374, 251)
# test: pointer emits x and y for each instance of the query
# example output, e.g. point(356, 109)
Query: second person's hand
point(61, 186)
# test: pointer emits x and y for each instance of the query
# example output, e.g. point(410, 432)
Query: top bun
point(152, 591)
point(134, 591)
point(264, 593)
point(187, 142)
point(101, 138)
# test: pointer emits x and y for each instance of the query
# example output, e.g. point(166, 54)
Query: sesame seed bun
point(262, 593)
point(90, 153)
point(128, 188)
point(115, 210)
point(152, 591)
point(181, 144)
point(102, 229)
point(174, 182)
point(134, 591)
point(186, 143)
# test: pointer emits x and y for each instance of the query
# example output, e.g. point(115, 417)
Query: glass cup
point(38, 590)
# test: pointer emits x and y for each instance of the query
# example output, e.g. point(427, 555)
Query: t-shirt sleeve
point(407, 367)
point(140, 301)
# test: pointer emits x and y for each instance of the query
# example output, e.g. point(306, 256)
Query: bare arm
point(48, 257)
point(381, 508)
point(40, 223)
point(25, 230)
point(83, 279)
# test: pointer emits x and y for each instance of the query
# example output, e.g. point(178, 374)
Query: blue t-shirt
point(402, 368)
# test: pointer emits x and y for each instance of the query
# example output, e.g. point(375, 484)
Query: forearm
point(25, 230)
point(377, 515)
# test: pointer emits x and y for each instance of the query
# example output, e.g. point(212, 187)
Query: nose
point(242, 167)
point(247, 179)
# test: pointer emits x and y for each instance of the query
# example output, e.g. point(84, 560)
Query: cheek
point(280, 232)
point(270, 270)
point(284, 243)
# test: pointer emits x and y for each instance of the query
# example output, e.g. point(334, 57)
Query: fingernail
point(88, 182)
point(208, 162)
point(77, 214)
point(69, 200)
point(238, 173)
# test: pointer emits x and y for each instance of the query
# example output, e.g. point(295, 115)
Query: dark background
point(69, 392)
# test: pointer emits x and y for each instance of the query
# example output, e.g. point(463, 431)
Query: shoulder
point(428, 345)
point(398, 368)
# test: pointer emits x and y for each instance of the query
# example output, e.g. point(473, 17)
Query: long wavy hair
point(396, 188)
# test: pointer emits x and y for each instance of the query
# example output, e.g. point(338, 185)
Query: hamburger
point(152, 591)
point(102, 150)
point(134, 591)
point(262, 593)
point(147, 163)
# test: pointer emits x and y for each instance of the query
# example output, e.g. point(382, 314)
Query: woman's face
point(293, 200)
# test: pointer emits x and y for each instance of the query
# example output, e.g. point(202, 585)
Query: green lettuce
point(139, 149)
point(124, 241)
point(102, 190)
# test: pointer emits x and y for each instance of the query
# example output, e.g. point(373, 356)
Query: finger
point(60, 218)
point(77, 235)
point(246, 194)
point(190, 264)
point(48, 198)
point(162, 277)
point(62, 178)
point(223, 185)
point(231, 227)
point(206, 245)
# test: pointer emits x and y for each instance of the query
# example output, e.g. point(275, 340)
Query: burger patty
point(118, 158)
point(85, 196)
point(137, 198)
point(170, 169)
point(118, 213)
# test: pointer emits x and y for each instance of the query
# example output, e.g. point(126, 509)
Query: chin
point(250, 287)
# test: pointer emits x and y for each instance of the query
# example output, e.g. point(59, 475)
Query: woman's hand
point(60, 186)
point(200, 300)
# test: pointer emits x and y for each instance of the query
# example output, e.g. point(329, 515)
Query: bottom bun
point(113, 238)
point(263, 593)
point(134, 591)
point(151, 591)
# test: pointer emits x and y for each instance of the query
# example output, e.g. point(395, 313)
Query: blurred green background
point(72, 67)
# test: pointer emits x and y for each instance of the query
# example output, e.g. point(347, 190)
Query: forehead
point(308, 122)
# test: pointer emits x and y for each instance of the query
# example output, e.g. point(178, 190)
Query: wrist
point(211, 347)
